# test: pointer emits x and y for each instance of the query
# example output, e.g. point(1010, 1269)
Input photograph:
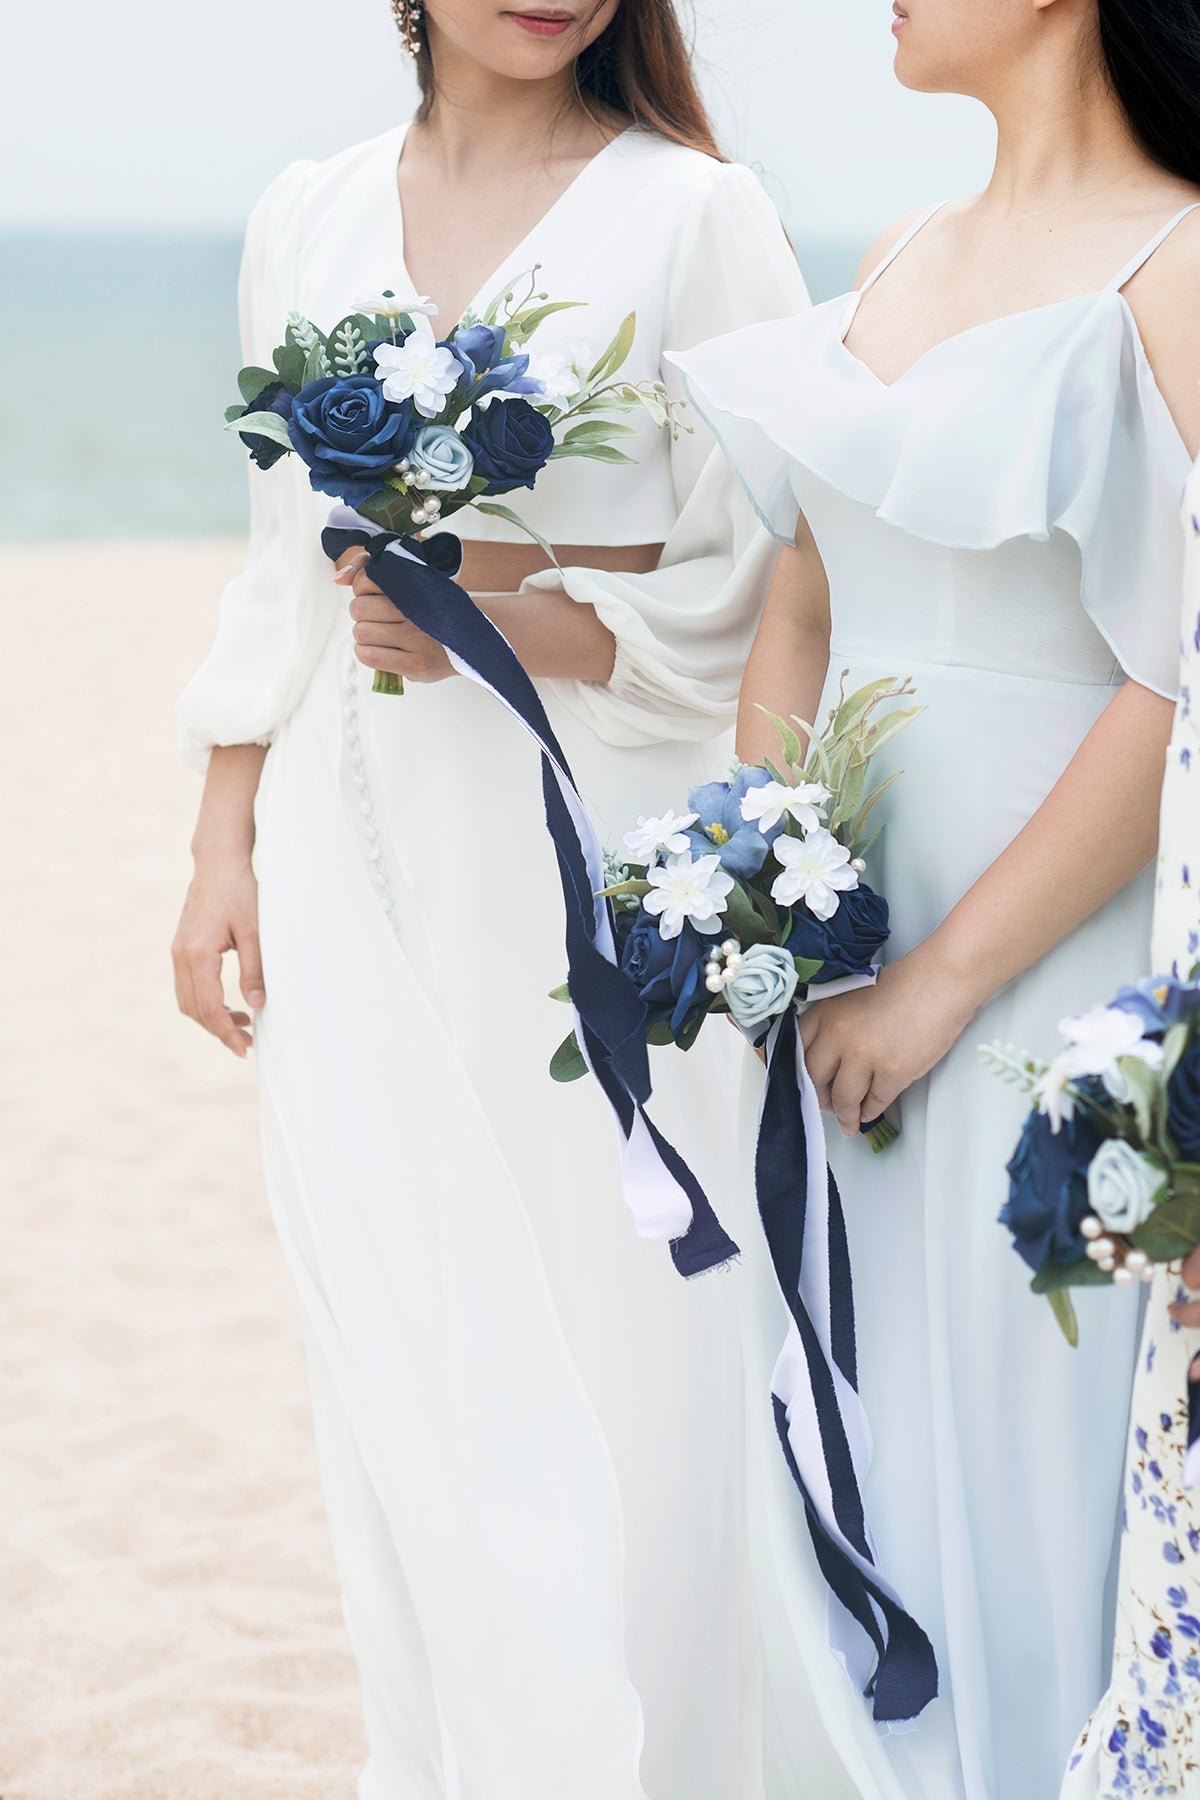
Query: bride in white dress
point(986, 446)
point(529, 1427)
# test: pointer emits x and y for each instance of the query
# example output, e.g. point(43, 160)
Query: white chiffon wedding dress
point(1000, 524)
point(530, 1429)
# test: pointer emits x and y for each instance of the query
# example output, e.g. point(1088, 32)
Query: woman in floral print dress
point(1144, 1738)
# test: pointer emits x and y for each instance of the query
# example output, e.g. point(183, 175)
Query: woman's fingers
point(201, 997)
point(370, 607)
point(249, 955)
point(348, 565)
point(850, 1088)
point(1187, 1312)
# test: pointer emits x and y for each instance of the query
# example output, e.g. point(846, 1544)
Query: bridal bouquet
point(1105, 1181)
point(408, 430)
point(754, 898)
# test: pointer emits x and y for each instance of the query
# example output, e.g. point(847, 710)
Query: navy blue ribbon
point(611, 1012)
point(905, 1678)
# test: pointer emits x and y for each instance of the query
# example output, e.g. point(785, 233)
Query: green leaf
point(347, 346)
point(497, 511)
point(807, 968)
point(660, 1035)
point(1063, 1308)
point(850, 795)
point(1144, 1091)
point(688, 1036)
point(1055, 1276)
point(390, 509)
point(767, 911)
point(525, 324)
point(561, 993)
point(617, 352)
point(859, 822)
point(741, 919)
point(1175, 1042)
point(252, 381)
point(594, 453)
point(289, 359)
point(262, 424)
point(889, 727)
point(316, 365)
point(1171, 1231)
point(639, 889)
point(851, 711)
point(236, 411)
point(792, 753)
point(597, 431)
point(567, 1063)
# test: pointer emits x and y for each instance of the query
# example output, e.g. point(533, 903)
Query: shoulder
point(886, 242)
point(691, 180)
point(308, 180)
point(1164, 297)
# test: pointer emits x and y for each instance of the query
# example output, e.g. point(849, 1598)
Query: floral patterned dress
point(1144, 1738)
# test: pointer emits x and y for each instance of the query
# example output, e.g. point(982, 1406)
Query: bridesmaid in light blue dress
point(975, 463)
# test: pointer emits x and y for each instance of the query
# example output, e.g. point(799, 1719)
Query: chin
point(918, 74)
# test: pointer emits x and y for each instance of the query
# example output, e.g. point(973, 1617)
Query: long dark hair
point(1152, 49)
point(640, 68)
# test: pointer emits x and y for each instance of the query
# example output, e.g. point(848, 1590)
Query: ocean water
point(122, 356)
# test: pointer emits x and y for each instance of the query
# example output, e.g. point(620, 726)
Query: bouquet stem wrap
point(666, 1199)
point(818, 1413)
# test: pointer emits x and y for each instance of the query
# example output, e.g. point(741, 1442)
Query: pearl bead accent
point(1090, 1227)
point(1123, 1277)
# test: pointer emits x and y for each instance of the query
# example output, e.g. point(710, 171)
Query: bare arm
point(1094, 832)
point(787, 666)
point(220, 912)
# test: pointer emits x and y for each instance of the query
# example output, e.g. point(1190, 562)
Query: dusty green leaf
point(262, 424)
point(567, 1063)
point(252, 381)
point(494, 508)
point(615, 356)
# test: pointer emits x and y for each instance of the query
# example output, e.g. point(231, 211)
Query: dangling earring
point(408, 15)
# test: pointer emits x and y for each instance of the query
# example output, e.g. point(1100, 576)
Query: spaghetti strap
point(1143, 256)
point(902, 243)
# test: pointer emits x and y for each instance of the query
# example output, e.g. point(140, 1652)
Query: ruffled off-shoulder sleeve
point(272, 624)
point(684, 631)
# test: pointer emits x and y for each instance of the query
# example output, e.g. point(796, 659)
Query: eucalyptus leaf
point(316, 365)
point(615, 356)
point(594, 453)
point(390, 509)
point(742, 920)
point(1056, 1276)
point(252, 381)
point(1063, 1308)
point(497, 511)
point(262, 424)
point(597, 431)
point(1171, 1231)
point(289, 359)
point(567, 1063)
point(236, 411)
point(562, 993)
point(633, 889)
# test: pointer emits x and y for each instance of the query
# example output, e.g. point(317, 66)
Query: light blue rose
point(440, 453)
point(764, 986)
point(1123, 1185)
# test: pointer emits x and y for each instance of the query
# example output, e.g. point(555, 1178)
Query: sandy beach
point(169, 1624)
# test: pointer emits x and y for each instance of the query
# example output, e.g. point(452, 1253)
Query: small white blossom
point(419, 370)
point(558, 380)
point(767, 806)
point(1098, 1039)
point(386, 306)
point(652, 838)
point(581, 356)
point(816, 869)
point(689, 889)
point(1052, 1093)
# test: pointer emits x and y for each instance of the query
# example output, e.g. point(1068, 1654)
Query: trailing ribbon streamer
point(663, 1194)
point(1191, 1465)
point(818, 1413)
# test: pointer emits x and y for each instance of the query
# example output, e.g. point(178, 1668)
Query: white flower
point(581, 356)
point(419, 370)
point(816, 869)
point(386, 306)
point(1122, 1185)
point(652, 838)
point(559, 381)
point(766, 806)
point(685, 889)
point(1052, 1093)
point(1098, 1039)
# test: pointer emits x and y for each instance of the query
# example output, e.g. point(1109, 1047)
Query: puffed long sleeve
point(274, 617)
point(684, 631)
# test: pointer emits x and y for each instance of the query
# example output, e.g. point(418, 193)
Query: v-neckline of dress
point(491, 282)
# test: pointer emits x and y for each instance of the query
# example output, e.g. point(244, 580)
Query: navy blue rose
point(1183, 1105)
point(850, 941)
point(669, 976)
point(274, 398)
point(349, 435)
point(511, 443)
point(1048, 1191)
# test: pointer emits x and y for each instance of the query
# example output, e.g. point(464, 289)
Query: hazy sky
point(151, 113)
